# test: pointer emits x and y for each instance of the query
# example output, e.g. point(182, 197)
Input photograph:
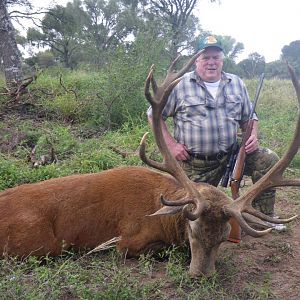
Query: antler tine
point(153, 82)
point(173, 64)
point(260, 215)
point(172, 75)
point(273, 178)
point(249, 230)
point(161, 94)
point(186, 67)
point(145, 159)
point(186, 211)
point(147, 85)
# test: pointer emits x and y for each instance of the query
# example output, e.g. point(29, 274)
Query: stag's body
point(83, 211)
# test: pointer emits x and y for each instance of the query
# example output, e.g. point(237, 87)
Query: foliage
point(60, 32)
point(88, 33)
point(43, 59)
point(107, 24)
point(105, 98)
point(276, 69)
point(291, 53)
point(277, 112)
point(231, 48)
point(252, 66)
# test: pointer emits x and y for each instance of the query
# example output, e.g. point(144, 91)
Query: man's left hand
point(252, 144)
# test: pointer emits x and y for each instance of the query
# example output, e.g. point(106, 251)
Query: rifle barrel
point(261, 80)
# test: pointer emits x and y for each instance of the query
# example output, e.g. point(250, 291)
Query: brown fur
point(85, 210)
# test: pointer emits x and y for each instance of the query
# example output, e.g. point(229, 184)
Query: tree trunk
point(8, 49)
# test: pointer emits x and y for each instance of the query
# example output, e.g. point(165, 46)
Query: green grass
point(277, 111)
point(73, 277)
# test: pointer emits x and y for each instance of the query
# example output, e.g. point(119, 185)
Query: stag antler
point(169, 164)
point(273, 178)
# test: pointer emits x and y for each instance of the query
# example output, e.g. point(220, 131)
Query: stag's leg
point(141, 237)
point(134, 247)
point(257, 165)
point(36, 238)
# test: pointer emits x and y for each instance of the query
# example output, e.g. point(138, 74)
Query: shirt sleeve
point(247, 107)
point(169, 108)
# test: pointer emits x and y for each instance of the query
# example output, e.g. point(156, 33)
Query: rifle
point(236, 169)
point(230, 164)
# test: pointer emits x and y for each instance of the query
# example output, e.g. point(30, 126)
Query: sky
point(263, 26)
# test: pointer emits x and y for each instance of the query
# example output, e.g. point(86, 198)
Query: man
point(208, 106)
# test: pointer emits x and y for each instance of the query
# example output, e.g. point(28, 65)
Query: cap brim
point(211, 46)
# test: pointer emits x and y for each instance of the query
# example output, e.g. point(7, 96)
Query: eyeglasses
point(206, 58)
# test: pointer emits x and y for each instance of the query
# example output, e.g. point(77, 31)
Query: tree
point(10, 55)
point(43, 59)
point(252, 66)
point(107, 24)
point(60, 31)
point(175, 20)
point(176, 16)
point(291, 53)
point(84, 30)
point(231, 48)
point(276, 69)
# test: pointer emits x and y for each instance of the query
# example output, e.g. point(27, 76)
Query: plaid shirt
point(204, 124)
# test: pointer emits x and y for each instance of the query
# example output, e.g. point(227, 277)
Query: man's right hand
point(179, 151)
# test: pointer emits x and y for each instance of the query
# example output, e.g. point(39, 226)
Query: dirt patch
point(279, 253)
point(10, 138)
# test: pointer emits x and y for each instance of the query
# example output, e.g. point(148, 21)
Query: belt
point(219, 156)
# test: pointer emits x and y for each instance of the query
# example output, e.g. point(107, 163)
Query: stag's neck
point(175, 228)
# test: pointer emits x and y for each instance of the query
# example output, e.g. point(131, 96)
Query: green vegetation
point(277, 110)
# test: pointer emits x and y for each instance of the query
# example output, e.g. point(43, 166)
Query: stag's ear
point(167, 210)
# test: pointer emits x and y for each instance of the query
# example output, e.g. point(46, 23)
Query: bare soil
point(274, 257)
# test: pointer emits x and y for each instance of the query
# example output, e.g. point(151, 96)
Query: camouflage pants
point(257, 164)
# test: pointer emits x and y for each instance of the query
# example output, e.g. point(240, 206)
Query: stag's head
point(206, 208)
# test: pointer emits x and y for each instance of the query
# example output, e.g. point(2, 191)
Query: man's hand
point(251, 144)
point(179, 151)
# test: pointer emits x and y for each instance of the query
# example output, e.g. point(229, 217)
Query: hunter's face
point(209, 64)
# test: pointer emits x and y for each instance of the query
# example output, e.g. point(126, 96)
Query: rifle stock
point(238, 170)
point(235, 235)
